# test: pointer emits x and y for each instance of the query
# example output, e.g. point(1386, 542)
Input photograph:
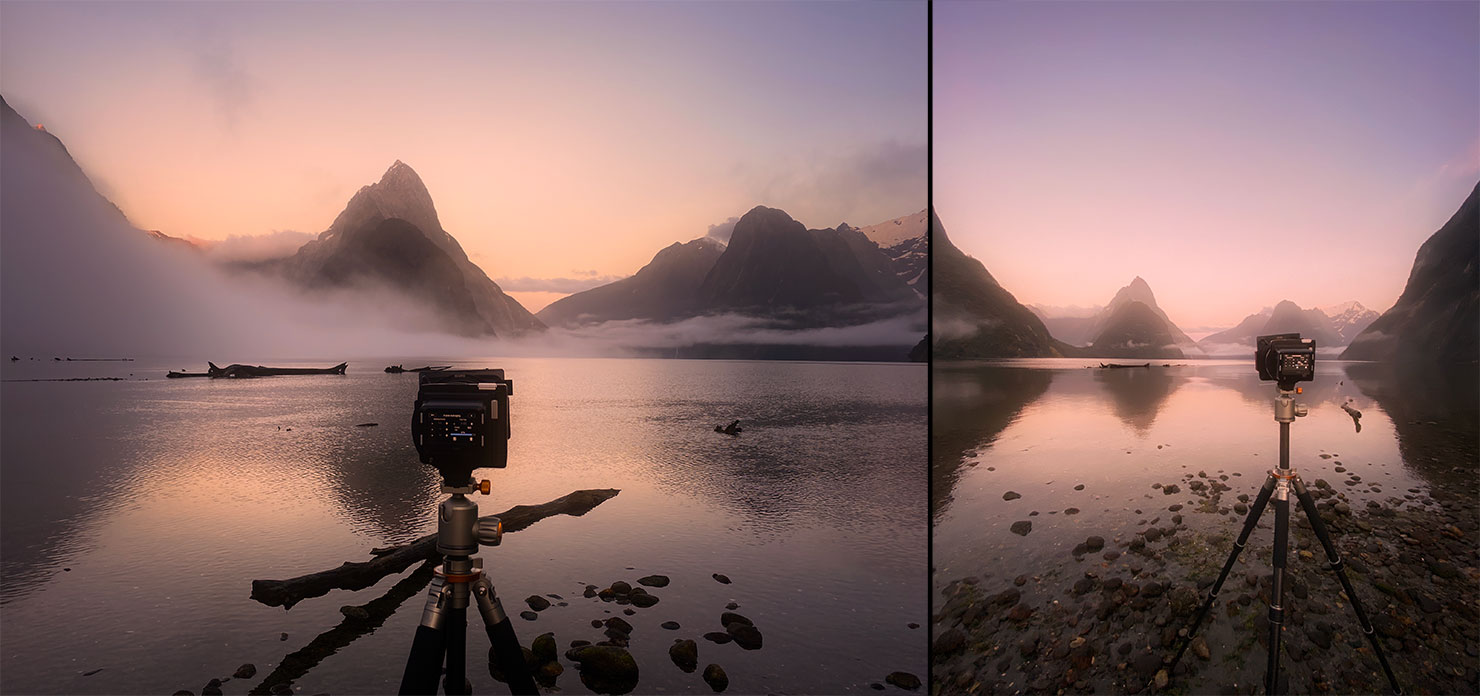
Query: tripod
point(1278, 485)
point(444, 622)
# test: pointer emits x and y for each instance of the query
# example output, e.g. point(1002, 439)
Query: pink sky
point(1232, 154)
point(559, 141)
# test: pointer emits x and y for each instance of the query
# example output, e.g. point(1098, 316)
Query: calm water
point(166, 498)
point(1042, 427)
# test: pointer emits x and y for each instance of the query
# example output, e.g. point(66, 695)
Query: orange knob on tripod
point(484, 486)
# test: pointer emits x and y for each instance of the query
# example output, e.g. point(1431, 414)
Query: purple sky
point(1232, 154)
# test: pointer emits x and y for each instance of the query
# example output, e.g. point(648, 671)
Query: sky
point(1232, 154)
point(564, 144)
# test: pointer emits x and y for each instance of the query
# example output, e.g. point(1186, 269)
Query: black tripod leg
point(1337, 566)
point(506, 648)
point(1255, 511)
point(424, 664)
point(1277, 594)
point(457, 652)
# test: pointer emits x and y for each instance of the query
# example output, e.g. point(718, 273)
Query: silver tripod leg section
point(439, 601)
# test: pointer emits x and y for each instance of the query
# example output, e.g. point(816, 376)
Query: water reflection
point(973, 404)
point(816, 511)
point(52, 491)
point(1137, 394)
point(1104, 444)
point(1435, 412)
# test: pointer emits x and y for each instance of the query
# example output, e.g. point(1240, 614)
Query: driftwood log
point(298, 663)
point(358, 576)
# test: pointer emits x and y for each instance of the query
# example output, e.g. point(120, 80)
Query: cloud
point(588, 280)
point(224, 78)
point(274, 245)
point(723, 230)
point(862, 185)
point(616, 337)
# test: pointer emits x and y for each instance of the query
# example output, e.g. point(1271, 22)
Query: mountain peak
point(400, 193)
point(1138, 290)
point(763, 222)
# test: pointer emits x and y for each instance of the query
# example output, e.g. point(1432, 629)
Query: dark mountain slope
point(973, 316)
point(1437, 318)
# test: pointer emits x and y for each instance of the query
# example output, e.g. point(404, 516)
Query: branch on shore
point(358, 576)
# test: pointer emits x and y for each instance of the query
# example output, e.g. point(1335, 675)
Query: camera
point(1285, 358)
point(461, 422)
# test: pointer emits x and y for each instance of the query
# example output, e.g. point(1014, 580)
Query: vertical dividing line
point(929, 622)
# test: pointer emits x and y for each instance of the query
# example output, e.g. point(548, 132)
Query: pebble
point(722, 579)
point(1011, 495)
point(607, 669)
point(1022, 528)
point(685, 654)
point(715, 677)
point(903, 680)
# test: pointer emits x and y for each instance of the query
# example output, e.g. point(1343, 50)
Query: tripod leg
point(1255, 511)
point(1308, 502)
point(1277, 593)
point(424, 664)
point(506, 646)
point(457, 652)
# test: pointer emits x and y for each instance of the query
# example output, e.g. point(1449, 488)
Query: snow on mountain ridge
point(891, 232)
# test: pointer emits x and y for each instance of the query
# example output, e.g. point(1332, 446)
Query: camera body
point(1285, 358)
point(461, 422)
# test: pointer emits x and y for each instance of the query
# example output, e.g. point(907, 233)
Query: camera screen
point(1295, 363)
point(454, 424)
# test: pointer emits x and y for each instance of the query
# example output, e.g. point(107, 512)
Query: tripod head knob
point(1301, 410)
point(490, 531)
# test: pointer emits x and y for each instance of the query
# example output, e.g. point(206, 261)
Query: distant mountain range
point(665, 289)
point(1286, 317)
point(1132, 325)
point(973, 317)
point(1133, 333)
point(773, 265)
point(1437, 318)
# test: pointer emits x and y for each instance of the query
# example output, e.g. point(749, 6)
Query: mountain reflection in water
point(1039, 428)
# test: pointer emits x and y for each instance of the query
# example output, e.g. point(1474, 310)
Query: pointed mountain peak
point(400, 170)
point(400, 193)
point(1138, 290)
point(403, 180)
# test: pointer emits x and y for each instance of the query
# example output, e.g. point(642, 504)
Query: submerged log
point(1355, 414)
point(239, 371)
point(355, 624)
point(357, 576)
